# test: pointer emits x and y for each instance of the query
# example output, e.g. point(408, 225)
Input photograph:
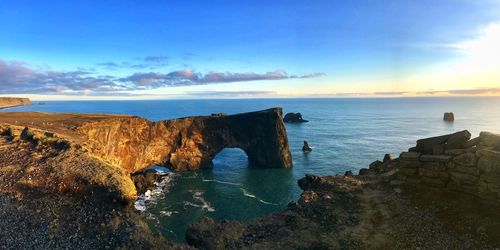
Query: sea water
point(345, 134)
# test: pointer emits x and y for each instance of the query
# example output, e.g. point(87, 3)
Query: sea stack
point(449, 117)
point(294, 118)
point(306, 147)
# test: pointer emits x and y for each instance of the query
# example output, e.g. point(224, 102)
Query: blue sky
point(199, 49)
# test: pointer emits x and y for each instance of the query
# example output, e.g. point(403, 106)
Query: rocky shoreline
point(421, 200)
point(59, 191)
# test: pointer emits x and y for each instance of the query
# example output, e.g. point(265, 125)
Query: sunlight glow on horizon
point(342, 49)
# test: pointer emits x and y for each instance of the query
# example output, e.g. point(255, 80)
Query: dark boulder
point(145, 180)
point(365, 171)
point(438, 144)
point(306, 147)
point(387, 157)
point(294, 118)
point(308, 182)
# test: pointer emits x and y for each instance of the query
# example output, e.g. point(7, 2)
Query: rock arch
point(190, 143)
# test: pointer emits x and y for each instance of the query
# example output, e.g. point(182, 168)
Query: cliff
point(7, 102)
point(190, 143)
point(92, 153)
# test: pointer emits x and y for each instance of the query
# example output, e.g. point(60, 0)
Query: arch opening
point(231, 158)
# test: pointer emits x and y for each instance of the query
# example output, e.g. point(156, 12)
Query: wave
point(151, 196)
point(223, 182)
point(198, 196)
point(248, 194)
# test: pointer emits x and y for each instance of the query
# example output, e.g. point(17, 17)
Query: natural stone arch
point(189, 143)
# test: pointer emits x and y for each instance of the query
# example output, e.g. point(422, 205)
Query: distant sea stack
point(449, 117)
point(294, 118)
point(7, 102)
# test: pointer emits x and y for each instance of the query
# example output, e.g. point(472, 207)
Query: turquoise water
point(345, 134)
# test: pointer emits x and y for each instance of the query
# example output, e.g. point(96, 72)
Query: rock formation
point(448, 116)
point(471, 167)
point(190, 143)
point(306, 147)
point(7, 102)
point(82, 151)
point(294, 118)
point(438, 144)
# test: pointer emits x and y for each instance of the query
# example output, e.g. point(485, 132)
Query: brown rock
point(449, 116)
point(189, 143)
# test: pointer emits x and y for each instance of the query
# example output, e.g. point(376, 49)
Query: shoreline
point(413, 200)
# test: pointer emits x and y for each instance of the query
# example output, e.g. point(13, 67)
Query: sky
point(248, 49)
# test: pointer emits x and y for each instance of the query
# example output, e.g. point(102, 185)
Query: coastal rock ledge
point(77, 152)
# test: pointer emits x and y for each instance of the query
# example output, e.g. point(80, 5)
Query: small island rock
point(294, 118)
point(449, 117)
point(306, 147)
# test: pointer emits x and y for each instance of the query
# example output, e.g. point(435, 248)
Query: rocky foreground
point(8, 102)
point(441, 195)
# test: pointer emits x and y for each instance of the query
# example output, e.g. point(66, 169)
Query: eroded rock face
point(93, 153)
point(190, 143)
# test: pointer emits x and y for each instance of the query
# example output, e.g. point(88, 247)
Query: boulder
point(488, 139)
point(442, 143)
point(294, 118)
point(387, 157)
point(145, 180)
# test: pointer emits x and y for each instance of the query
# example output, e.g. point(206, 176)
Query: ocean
point(345, 134)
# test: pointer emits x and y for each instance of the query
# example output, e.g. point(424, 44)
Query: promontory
point(90, 154)
point(8, 102)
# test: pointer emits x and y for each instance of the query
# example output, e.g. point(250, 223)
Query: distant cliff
point(7, 102)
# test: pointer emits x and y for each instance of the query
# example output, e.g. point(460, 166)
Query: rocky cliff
point(189, 143)
point(92, 153)
point(7, 102)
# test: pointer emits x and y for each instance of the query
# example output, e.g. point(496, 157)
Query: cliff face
point(6, 102)
point(89, 153)
point(189, 143)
